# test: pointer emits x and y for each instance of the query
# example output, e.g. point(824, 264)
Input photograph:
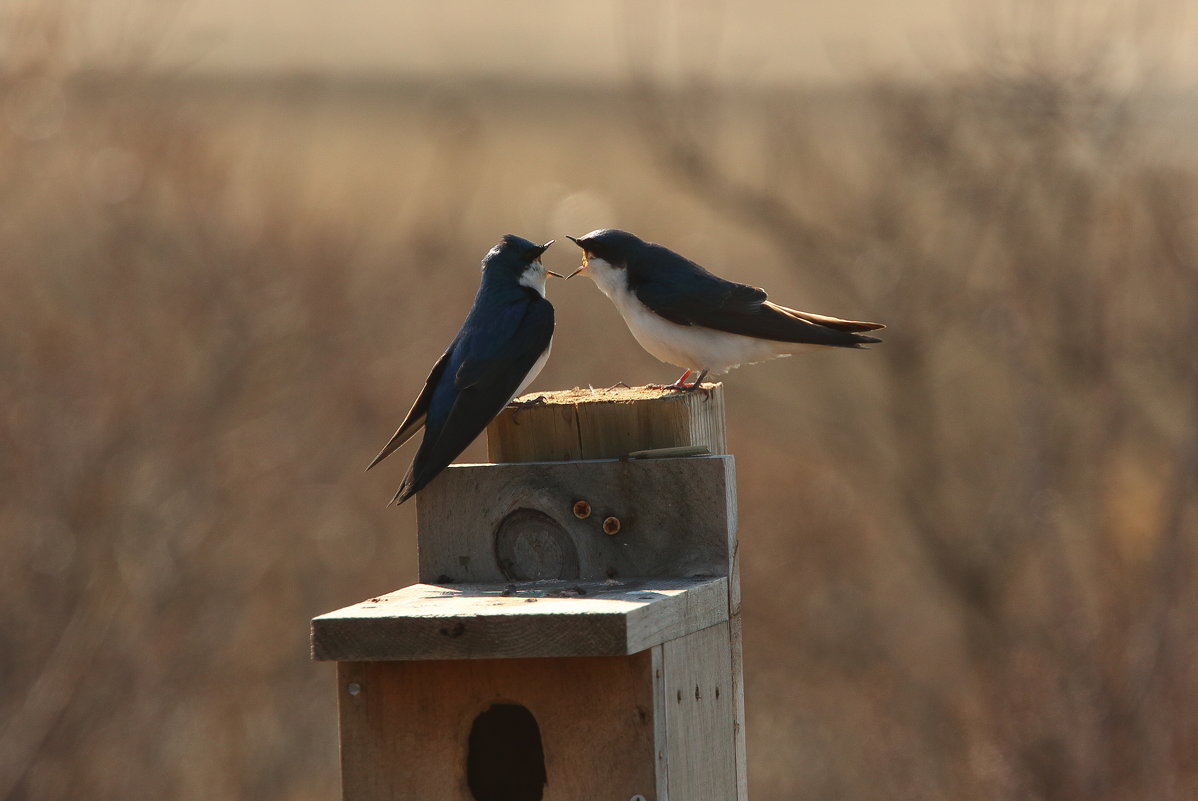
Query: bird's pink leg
point(694, 384)
point(681, 382)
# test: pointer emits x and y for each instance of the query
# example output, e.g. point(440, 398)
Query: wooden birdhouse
point(575, 634)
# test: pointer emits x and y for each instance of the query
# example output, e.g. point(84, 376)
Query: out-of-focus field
point(968, 554)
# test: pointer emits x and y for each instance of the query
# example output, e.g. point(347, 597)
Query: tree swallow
point(685, 316)
point(501, 348)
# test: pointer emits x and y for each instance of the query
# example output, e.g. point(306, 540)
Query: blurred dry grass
point(968, 554)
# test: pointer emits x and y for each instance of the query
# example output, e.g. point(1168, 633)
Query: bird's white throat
point(612, 281)
point(534, 277)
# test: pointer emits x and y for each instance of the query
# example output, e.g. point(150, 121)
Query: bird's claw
point(681, 386)
point(519, 406)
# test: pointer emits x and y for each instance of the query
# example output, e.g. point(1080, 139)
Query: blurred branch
point(58, 682)
point(1033, 293)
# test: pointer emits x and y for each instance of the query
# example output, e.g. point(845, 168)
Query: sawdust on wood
point(577, 395)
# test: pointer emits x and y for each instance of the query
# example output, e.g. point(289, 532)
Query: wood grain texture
point(677, 518)
point(736, 656)
point(607, 424)
point(542, 619)
point(404, 733)
point(696, 697)
point(657, 710)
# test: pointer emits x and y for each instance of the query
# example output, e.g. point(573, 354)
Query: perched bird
point(501, 348)
point(685, 316)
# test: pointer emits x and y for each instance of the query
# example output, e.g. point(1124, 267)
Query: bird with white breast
point(686, 316)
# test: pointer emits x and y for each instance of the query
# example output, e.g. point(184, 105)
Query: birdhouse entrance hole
point(505, 760)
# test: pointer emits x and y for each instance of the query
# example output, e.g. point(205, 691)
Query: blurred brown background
point(234, 237)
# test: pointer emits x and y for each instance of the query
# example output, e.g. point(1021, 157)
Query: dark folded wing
point(495, 360)
point(419, 411)
point(684, 293)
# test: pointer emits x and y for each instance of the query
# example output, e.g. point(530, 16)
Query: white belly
point(537, 366)
point(695, 347)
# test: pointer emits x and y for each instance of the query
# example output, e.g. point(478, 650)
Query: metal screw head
point(637, 797)
point(611, 526)
point(582, 510)
point(353, 688)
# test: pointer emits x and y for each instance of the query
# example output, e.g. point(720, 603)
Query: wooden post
point(609, 423)
point(599, 600)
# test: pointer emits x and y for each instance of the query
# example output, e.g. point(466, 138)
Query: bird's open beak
point(584, 257)
point(544, 248)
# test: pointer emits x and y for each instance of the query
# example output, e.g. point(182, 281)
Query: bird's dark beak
point(544, 248)
point(584, 257)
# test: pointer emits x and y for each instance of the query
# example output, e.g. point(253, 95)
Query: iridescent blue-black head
point(520, 260)
point(612, 245)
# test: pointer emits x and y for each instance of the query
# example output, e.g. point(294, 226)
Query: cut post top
point(616, 394)
point(571, 424)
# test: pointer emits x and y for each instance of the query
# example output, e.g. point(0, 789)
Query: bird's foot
point(698, 383)
point(519, 406)
point(680, 385)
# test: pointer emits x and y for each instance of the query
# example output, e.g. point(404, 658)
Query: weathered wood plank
point(544, 619)
point(519, 522)
point(662, 716)
point(698, 697)
point(607, 423)
point(405, 728)
point(736, 652)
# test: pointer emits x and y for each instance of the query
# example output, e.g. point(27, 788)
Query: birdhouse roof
point(527, 619)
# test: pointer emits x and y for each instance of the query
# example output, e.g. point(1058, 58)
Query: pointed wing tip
point(855, 326)
point(389, 449)
point(407, 488)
